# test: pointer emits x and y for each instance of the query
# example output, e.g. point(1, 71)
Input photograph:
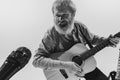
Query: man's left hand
point(114, 41)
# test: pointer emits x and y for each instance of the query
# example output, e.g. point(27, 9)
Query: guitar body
point(88, 66)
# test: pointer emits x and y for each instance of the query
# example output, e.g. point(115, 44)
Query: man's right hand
point(72, 67)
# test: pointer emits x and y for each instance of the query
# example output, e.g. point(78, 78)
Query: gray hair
point(62, 5)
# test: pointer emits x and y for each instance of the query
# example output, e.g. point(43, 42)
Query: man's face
point(63, 19)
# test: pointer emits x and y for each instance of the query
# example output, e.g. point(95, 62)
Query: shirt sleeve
point(94, 39)
point(47, 46)
point(42, 57)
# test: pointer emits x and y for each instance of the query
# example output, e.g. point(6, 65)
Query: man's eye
point(58, 15)
point(63, 15)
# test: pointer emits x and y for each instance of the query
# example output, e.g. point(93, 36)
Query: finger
point(78, 67)
point(115, 39)
point(114, 42)
point(79, 74)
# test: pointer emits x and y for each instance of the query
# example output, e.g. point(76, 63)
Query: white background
point(24, 22)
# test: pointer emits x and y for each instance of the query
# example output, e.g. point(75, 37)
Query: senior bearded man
point(64, 40)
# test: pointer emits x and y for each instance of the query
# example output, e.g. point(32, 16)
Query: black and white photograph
point(59, 39)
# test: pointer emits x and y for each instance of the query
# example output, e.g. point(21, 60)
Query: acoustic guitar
point(79, 54)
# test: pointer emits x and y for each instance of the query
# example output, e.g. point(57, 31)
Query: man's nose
point(61, 18)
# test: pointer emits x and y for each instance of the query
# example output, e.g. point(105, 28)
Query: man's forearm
point(47, 63)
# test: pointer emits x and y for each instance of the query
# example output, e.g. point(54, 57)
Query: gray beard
point(65, 30)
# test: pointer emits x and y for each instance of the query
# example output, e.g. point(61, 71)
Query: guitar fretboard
point(93, 51)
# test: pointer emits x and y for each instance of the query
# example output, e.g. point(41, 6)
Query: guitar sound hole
point(77, 60)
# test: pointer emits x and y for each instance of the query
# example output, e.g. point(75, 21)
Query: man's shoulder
point(50, 32)
point(79, 24)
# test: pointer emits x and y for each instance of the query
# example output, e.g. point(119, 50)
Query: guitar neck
point(79, 58)
point(118, 68)
point(94, 50)
point(97, 48)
